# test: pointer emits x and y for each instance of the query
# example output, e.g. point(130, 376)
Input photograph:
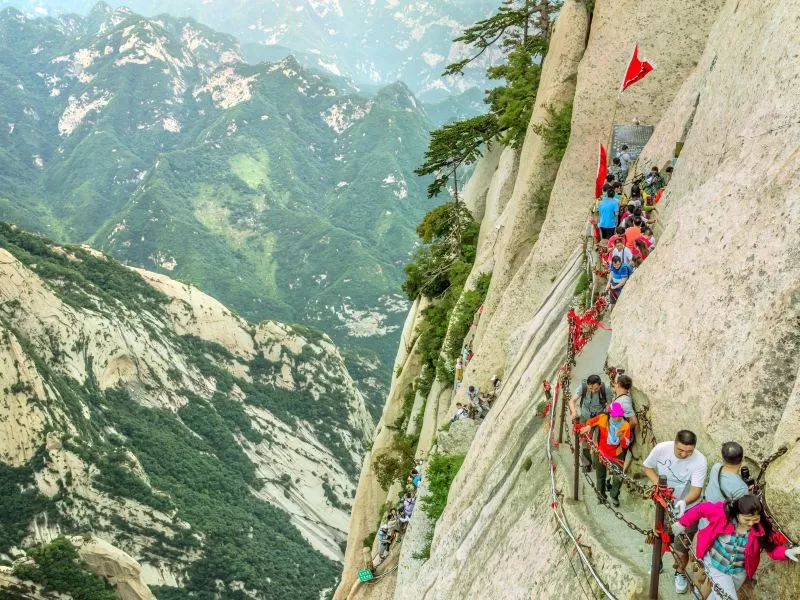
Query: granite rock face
point(709, 327)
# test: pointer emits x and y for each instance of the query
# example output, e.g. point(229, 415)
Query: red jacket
point(611, 451)
point(718, 524)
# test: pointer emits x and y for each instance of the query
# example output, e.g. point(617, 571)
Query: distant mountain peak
point(101, 8)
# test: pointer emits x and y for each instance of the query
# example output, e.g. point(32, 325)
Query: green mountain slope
point(138, 409)
point(265, 185)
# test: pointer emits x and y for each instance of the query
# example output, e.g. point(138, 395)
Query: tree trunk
point(544, 19)
point(527, 23)
point(458, 212)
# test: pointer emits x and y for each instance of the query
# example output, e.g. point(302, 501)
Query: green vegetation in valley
point(193, 457)
point(210, 483)
point(71, 270)
point(58, 568)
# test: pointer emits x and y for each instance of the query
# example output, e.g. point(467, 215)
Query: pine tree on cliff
point(522, 31)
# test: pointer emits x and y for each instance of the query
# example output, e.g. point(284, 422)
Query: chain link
point(618, 514)
point(759, 490)
point(645, 491)
point(687, 543)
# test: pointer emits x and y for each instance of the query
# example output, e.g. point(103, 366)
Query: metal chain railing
point(604, 500)
point(555, 501)
point(759, 490)
point(687, 543)
point(645, 491)
point(662, 496)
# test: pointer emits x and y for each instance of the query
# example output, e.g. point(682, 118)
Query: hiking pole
point(655, 562)
point(577, 465)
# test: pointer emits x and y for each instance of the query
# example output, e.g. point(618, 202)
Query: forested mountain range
point(267, 186)
point(374, 42)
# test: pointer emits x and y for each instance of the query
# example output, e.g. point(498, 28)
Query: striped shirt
point(727, 553)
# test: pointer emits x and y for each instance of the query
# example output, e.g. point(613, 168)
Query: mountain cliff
point(707, 327)
point(137, 409)
point(153, 140)
point(375, 43)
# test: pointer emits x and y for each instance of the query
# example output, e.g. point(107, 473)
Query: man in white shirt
point(685, 469)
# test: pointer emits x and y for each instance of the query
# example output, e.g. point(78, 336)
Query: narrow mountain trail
point(596, 519)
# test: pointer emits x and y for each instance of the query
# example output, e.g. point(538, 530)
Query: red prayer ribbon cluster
point(582, 326)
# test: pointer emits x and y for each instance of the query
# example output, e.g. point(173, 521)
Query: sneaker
point(615, 502)
point(587, 468)
point(681, 583)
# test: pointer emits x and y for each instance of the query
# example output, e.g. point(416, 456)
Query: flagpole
point(613, 120)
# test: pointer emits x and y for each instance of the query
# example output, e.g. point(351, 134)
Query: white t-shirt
point(681, 473)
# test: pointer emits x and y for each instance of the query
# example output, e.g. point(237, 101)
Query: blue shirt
point(621, 273)
point(608, 210)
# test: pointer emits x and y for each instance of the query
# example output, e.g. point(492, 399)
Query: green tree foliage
point(522, 30)
point(437, 270)
point(71, 271)
point(513, 102)
point(556, 131)
point(441, 471)
point(464, 312)
point(396, 462)
point(450, 236)
point(58, 568)
point(455, 145)
point(20, 501)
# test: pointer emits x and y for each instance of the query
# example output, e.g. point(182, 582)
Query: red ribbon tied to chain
point(582, 326)
point(665, 538)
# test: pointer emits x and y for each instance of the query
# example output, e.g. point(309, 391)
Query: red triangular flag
point(657, 199)
point(602, 171)
point(636, 70)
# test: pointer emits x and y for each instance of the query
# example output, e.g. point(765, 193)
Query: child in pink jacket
point(730, 545)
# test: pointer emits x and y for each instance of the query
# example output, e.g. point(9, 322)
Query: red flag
point(602, 171)
point(636, 70)
point(657, 199)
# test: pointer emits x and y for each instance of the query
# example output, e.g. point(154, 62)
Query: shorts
point(678, 545)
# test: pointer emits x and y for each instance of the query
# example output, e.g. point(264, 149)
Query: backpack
point(585, 389)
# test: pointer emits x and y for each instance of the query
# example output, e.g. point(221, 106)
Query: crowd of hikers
point(718, 508)
point(625, 222)
point(718, 512)
point(393, 525)
point(478, 403)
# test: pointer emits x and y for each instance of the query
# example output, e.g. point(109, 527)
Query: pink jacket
point(718, 524)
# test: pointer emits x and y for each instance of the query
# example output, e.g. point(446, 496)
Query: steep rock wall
point(727, 267)
point(708, 327)
point(369, 495)
point(672, 34)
